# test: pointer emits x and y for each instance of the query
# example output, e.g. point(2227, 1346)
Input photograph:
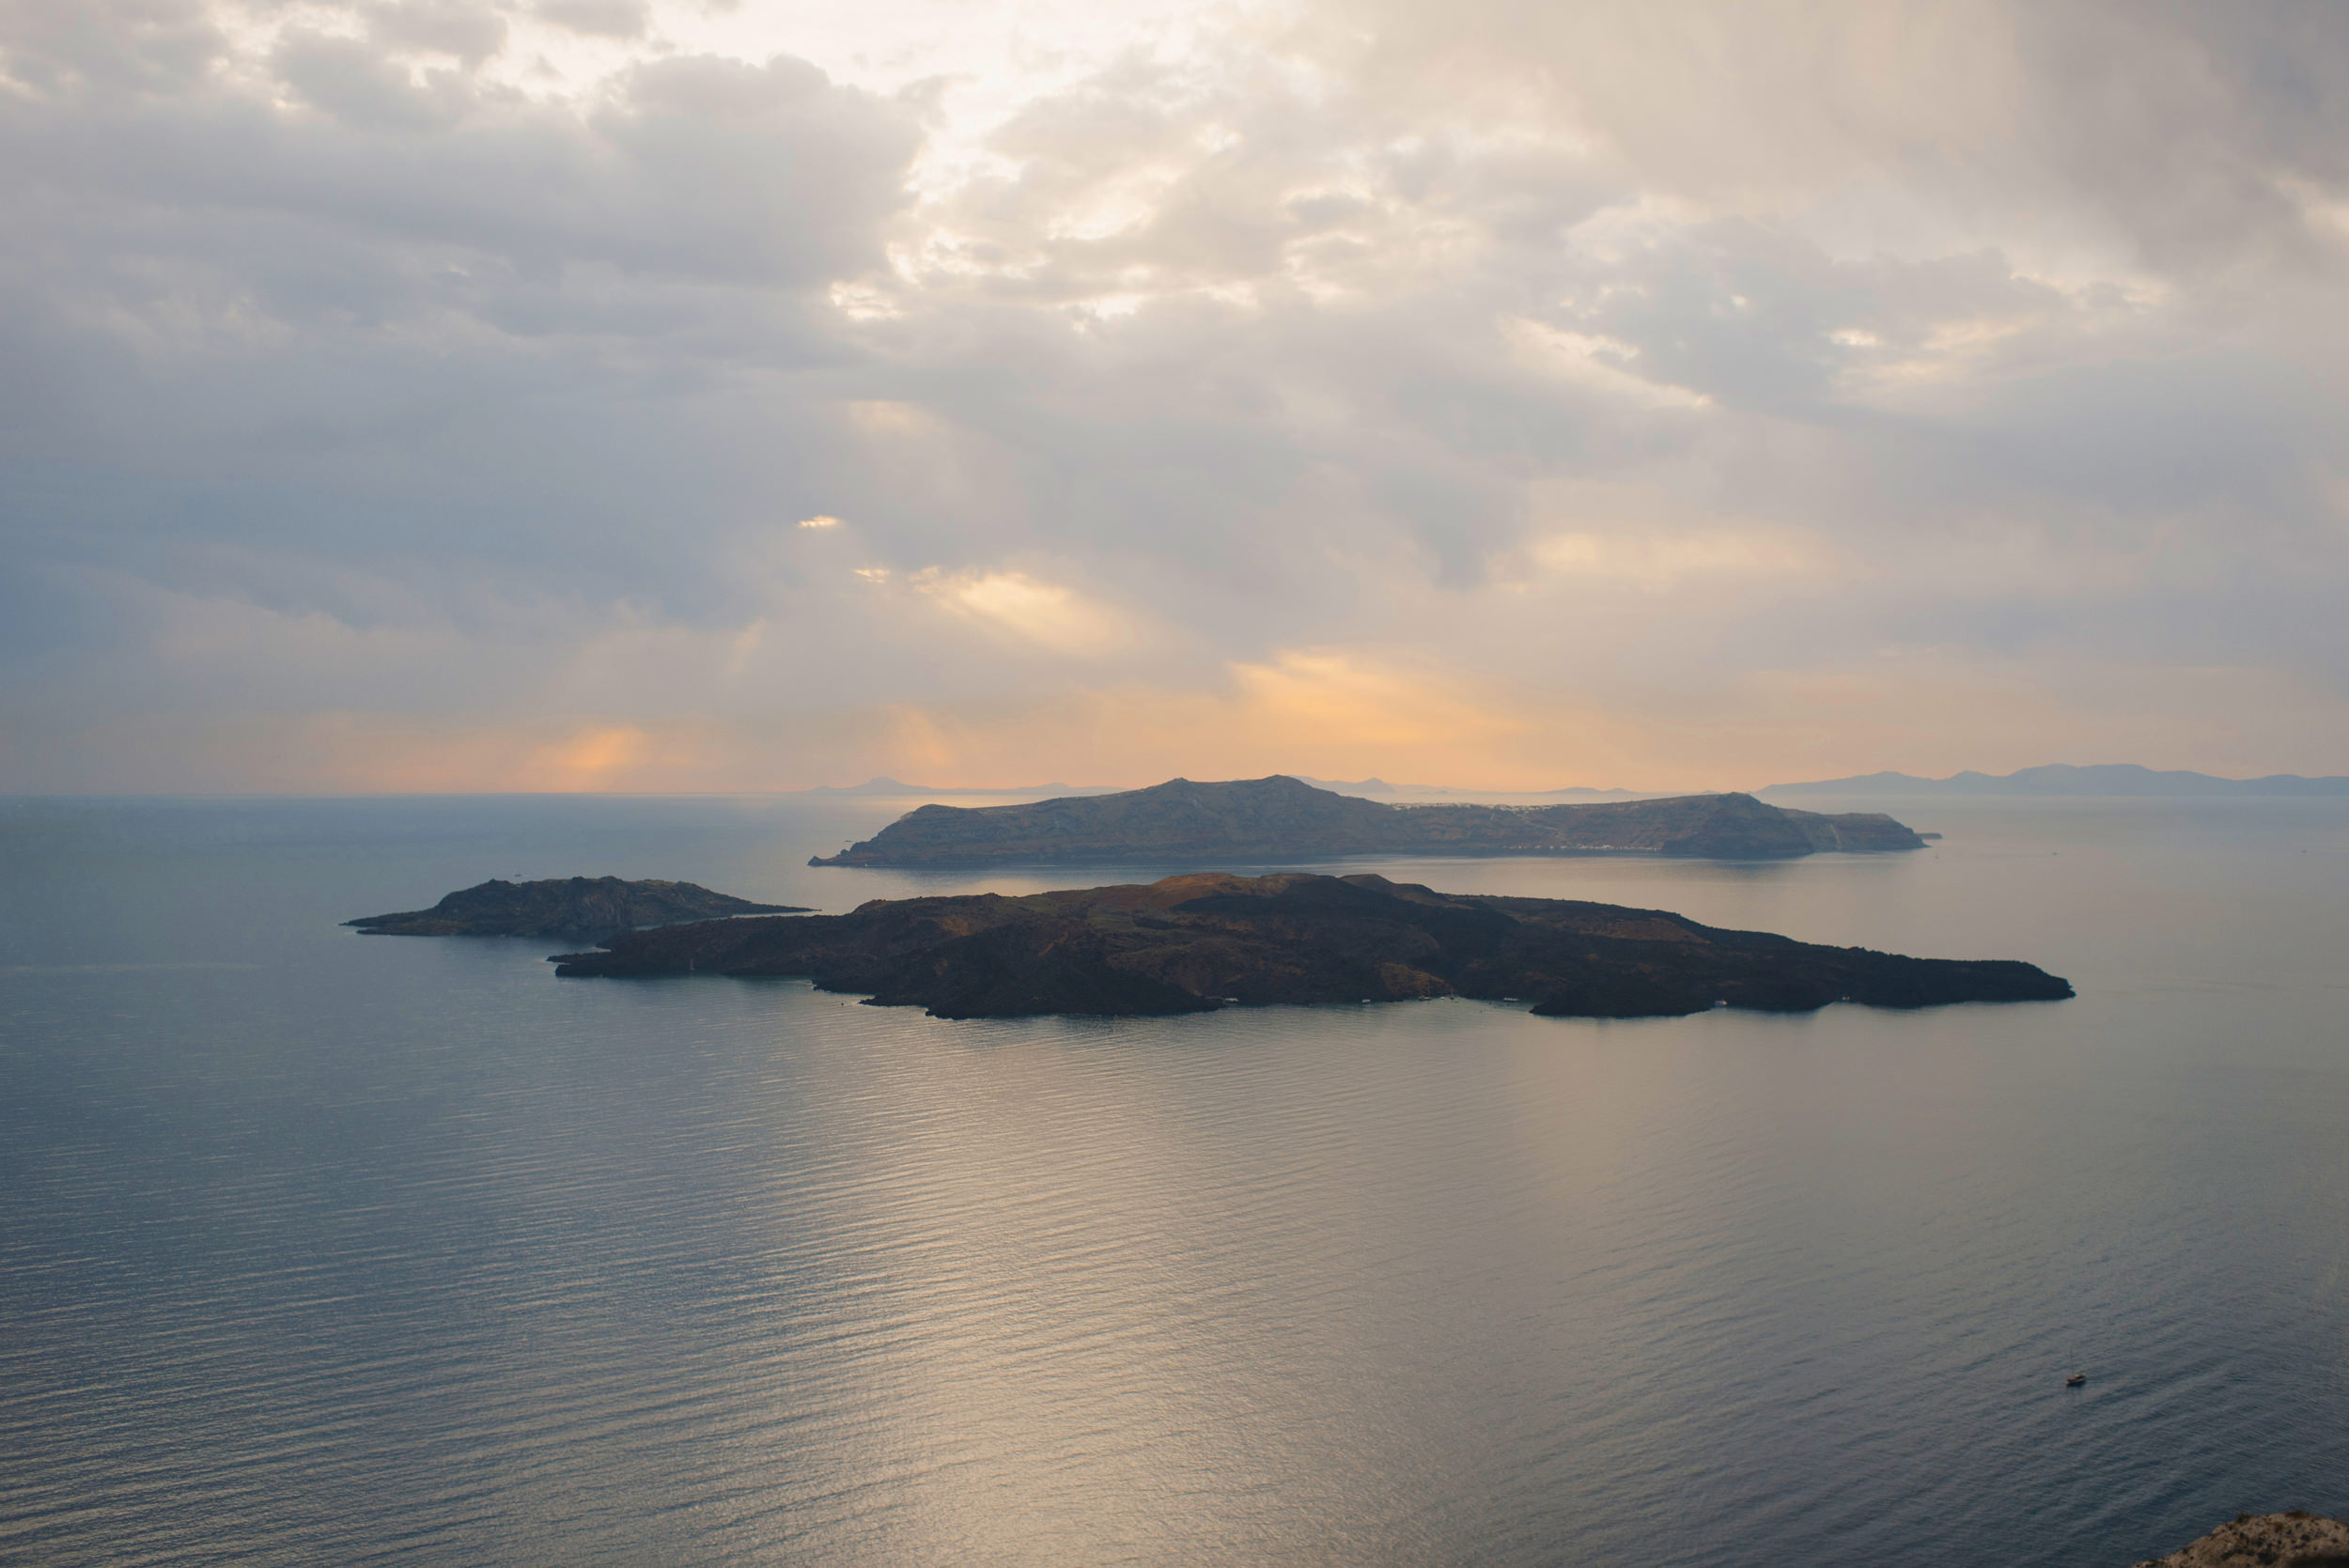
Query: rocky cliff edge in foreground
point(2295, 1540)
point(1191, 943)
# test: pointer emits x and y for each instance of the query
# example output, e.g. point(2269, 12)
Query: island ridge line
point(1284, 820)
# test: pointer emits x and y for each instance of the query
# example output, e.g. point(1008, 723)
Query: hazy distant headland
point(1282, 818)
point(1194, 944)
point(2106, 778)
point(2111, 778)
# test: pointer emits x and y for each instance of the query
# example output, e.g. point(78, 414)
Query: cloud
point(1503, 389)
point(1655, 560)
point(469, 31)
point(1029, 610)
point(1603, 364)
point(609, 19)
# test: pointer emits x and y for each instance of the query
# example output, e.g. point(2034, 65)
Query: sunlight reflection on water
point(375, 1248)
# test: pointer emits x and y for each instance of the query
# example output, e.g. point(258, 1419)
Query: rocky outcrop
point(2295, 1540)
point(1191, 943)
point(1281, 818)
point(564, 906)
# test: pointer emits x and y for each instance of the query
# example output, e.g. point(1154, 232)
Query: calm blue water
point(319, 1248)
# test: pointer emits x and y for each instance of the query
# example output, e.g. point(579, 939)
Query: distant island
point(1281, 818)
point(564, 906)
point(1193, 943)
point(2111, 778)
point(2295, 1540)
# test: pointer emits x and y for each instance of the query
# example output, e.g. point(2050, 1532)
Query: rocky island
point(564, 906)
point(1191, 943)
point(2295, 1540)
point(1281, 818)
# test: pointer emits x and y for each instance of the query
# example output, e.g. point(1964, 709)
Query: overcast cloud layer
point(605, 393)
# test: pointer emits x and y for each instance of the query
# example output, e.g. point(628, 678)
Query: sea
point(318, 1248)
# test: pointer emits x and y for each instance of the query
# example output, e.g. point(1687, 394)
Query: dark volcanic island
point(1191, 943)
point(563, 907)
point(1284, 820)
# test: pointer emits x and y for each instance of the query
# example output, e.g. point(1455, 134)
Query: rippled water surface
point(319, 1248)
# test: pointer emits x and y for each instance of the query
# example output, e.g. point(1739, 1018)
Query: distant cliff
point(1281, 818)
point(1191, 943)
point(563, 907)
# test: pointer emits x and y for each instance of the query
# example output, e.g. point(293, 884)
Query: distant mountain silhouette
point(1360, 786)
point(1284, 820)
point(2111, 778)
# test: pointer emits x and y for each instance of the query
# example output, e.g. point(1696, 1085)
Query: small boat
point(2075, 1380)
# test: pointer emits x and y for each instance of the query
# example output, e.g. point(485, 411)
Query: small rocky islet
point(1193, 943)
point(564, 906)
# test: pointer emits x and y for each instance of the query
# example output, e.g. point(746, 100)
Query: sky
point(627, 394)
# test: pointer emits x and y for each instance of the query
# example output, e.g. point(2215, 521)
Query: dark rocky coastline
point(1284, 820)
point(1196, 942)
point(2295, 1540)
point(564, 906)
